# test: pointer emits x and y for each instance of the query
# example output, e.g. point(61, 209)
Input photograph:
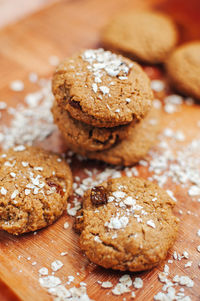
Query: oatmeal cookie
point(102, 89)
point(146, 36)
point(34, 188)
point(183, 69)
point(127, 224)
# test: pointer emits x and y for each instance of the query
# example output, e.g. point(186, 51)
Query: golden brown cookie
point(127, 224)
point(135, 147)
point(34, 188)
point(102, 89)
point(84, 136)
point(183, 68)
point(147, 36)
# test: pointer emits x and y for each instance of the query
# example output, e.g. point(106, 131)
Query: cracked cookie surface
point(146, 36)
point(34, 188)
point(84, 136)
point(127, 224)
point(102, 89)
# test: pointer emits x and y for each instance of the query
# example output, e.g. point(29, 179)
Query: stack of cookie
point(103, 107)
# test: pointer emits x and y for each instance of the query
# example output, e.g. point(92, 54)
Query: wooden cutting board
point(25, 47)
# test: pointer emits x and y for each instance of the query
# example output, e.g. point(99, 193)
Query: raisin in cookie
point(183, 69)
point(147, 36)
point(127, 224)
point(102, 89)
point(84, 136)
point(34, 188)
point(142, 136)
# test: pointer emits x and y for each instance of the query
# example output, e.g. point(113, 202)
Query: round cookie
point(102, 89)
point(129, 151)
point(147, 36)
point(34, 188)
point(84, 136)
point(183, 67)
point(127, 224)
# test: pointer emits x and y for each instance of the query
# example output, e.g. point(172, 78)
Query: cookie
point(84, 136)
point(135, 147)
point(102, 89)
point(183, 69)
point(34, 188)
point(146, 36)
point(127, 224)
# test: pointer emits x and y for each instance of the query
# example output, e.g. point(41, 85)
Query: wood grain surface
point(25, 47)
point(13, 10)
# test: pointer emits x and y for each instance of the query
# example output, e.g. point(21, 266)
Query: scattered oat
point(33, 77)
point(66, 225)
point(151, 224)
point(106, 284)
point(185, 254)
point(49, 281)
point(117, 222)
point(3, 191)
point(183, 280)
point(31, 122)
point(17, 85)
point(43, 271)
point(138, 282)
point(3, 105)
point(63, 253)
point(53, 60)
point(56, 265)
point(120, 289)
point(188, 264)
point(157, 85)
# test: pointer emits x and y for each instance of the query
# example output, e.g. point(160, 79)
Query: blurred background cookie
point(147, 36)
point(183, 67)
point(34, 188)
